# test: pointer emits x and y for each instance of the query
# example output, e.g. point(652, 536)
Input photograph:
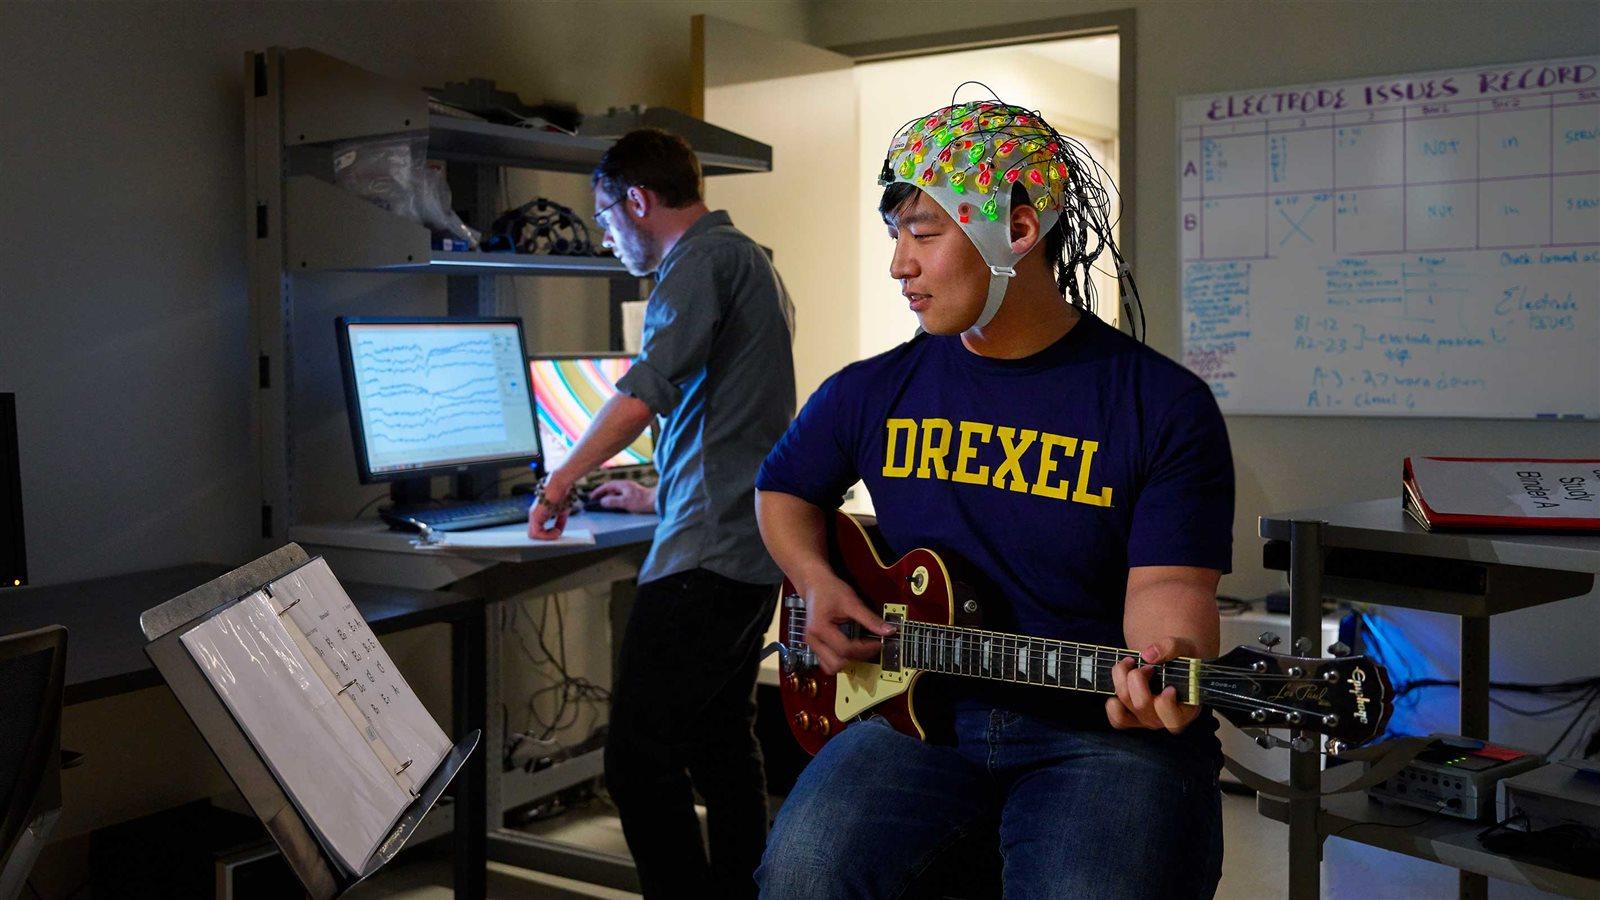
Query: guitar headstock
point(1347, 698)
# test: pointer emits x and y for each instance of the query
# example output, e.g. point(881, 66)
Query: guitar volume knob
point(803, 719)
point(824, 725)
point(810, 687)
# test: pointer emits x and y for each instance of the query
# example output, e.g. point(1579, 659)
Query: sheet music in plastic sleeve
point(384, 707)
point(299, 727)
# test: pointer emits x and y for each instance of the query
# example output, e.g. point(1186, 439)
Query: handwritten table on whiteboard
point(1410, 245)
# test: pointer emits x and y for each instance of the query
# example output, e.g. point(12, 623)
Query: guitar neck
point(996, 656)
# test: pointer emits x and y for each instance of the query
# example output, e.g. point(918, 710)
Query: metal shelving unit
point(299, 105)
point(1449, 842)
point(1372, 552)
point(441, 262)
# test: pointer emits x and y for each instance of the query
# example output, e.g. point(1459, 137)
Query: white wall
point(802, 208)
point(892, 93)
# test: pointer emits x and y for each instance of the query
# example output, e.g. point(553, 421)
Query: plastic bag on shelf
point(395, 174)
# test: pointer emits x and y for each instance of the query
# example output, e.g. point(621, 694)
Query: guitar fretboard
point(1023, 660)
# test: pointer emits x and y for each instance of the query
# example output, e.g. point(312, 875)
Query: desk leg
point(469, 676)
point(1474, 719)
point(1305, 625)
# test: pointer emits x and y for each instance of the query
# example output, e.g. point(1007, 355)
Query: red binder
point(1503, 493)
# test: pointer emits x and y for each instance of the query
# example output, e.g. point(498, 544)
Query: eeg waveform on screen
point(430, 390)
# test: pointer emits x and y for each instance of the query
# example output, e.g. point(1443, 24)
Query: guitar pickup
point(894, 614)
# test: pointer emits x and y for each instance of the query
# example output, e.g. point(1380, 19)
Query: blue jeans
point(1081, 814)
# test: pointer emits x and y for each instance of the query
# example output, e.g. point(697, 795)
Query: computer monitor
point(436, 396)
point(568, 391)
point(13, 550)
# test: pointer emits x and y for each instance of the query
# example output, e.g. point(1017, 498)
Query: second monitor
point(568, 392)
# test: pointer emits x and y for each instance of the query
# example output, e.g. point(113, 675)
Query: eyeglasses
point(598, 215)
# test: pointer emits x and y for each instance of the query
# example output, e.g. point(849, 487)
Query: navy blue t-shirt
point(1050, 475)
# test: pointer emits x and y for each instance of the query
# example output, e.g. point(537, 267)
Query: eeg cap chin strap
point(968, 158)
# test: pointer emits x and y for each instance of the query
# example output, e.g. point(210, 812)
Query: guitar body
point(918, 588)
point(1347, 698)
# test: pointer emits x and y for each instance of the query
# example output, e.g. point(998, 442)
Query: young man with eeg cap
point(1087, 477)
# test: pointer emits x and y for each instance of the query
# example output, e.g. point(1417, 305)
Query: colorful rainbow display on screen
point(569, 392)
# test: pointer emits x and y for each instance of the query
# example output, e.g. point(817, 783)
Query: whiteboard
point(1424, 244)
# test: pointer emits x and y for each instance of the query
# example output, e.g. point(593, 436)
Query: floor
point(1252, 867)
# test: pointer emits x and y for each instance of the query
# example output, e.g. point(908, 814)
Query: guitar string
point(920, 645)
point(1213, 697)
point(918, 629)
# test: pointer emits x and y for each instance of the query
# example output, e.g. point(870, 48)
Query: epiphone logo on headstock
point(1357, 677)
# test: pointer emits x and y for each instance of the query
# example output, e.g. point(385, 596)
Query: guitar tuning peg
point(1301, 744)
point(1269, 640)
point(1339, 648)
point(1266, 741)
point(1302, 646)
point(1336, 747)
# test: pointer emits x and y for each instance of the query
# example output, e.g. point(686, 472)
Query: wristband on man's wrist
point(542, 489)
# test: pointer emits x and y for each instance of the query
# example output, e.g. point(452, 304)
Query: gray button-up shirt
point(716, 365)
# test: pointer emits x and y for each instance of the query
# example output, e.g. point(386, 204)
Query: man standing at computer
point(715, 364)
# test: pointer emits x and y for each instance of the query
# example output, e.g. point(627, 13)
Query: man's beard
point(636, 252)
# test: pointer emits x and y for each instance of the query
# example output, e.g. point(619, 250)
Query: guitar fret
point(1022, 659)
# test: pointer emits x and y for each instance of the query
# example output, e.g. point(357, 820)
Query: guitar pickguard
point(861, 686)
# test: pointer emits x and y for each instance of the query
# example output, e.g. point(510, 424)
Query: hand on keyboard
point(622, 496)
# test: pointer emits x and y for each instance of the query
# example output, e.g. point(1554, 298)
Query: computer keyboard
point(460, 516)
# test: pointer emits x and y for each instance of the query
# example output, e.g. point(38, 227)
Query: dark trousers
point(682, 720)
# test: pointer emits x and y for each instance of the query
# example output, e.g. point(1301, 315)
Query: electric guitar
point(937, 618)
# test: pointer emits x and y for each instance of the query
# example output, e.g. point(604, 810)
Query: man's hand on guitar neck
point(1134, 706)
point(830, 605)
